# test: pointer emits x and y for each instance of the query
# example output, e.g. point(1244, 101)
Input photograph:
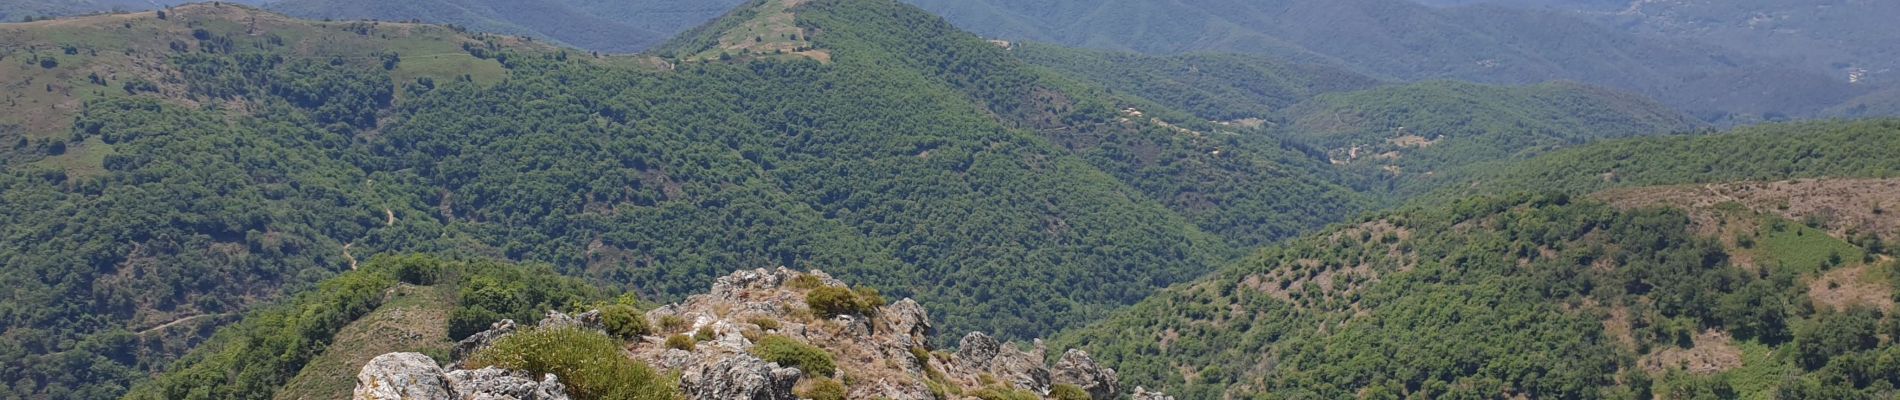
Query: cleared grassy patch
point(86, 160)
point(1792, 245)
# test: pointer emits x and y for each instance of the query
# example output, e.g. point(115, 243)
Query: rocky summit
point(716, 343)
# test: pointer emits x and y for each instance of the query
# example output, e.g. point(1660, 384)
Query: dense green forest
point(1422, 128)
point(1400, 39)
point(1220, 87)
point(1756, 153)
point(1545, 296)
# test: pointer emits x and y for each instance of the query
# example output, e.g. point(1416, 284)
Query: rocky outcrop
point(1142, 393)
point(481, 340)
point(497, 384)
point(741, 377)
point(885, 354)
point(413, 376)
point(587, 320)
point(401, 376)
point(1076, 368)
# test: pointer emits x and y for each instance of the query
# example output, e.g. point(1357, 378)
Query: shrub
point(834, 301)
point(1003, 393)
point(804, 281)
point(589, 363)
point(681, 342)
point(1063, 391)
point(824, 389)
point(791, 353)
point(625, 321)
point(672, 323)
point(705, 333)
point(764, 323)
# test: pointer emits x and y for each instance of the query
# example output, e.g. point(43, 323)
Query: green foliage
point(253, 358)
point(625, 321)
point(672, 323)
point(704, 333)
point(1762, 153)
point(831, 301)
point(680, 342)
point(1456, 311)
point(764, 323)
point(589, 363)
point(1222, 87)
point(825, 389)
point(1063, 391)
point(792, 353)
point(1000, 392)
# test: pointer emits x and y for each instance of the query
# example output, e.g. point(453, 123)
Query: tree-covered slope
point(1537, 296)
point(1407, 41)
point(1220, 87)
point(1426, 127)
point(608, 26)
point(309, 346)
point(1765, 152)
point(219, 157)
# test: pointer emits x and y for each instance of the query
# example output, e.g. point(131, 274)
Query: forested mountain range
point(168, 173)
point(1403, 40)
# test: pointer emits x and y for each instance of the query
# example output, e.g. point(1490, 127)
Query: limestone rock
point(401, 376)
point(1076, 368)
point(497, 384)
point(1142, 393)
point(742, 377)
point(976, 350)
point(481, 340)
point(587, 320)
point(1023, 369)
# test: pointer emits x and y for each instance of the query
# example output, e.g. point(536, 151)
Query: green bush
point(790, 353)
point(705, 333)
point(672, 323)
point(1004, 393)
point(834, 301)
point(681, 342)
point(764, 323)
point(589, 363)
point(825, 389)
point(1063, 391)
point(625, 321)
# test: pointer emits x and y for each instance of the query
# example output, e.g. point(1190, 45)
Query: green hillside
point(1220, 87)
point(1542, 296)
point(1423, 128)
point(607, 26)
point(311, 345)
point(1403, 40)
point(1765, 152)
point(221, 157)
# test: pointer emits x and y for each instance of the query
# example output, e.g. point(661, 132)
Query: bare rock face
point(976, 350)
point(482, 340)
point(886, 354)
point(497, 384)
point(587, 320)
point(742, 377)
point(401, 376)
point(413, 376)
point(1076, 368)
point(1142, 393)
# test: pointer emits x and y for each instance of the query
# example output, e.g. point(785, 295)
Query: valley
point(327, 199)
